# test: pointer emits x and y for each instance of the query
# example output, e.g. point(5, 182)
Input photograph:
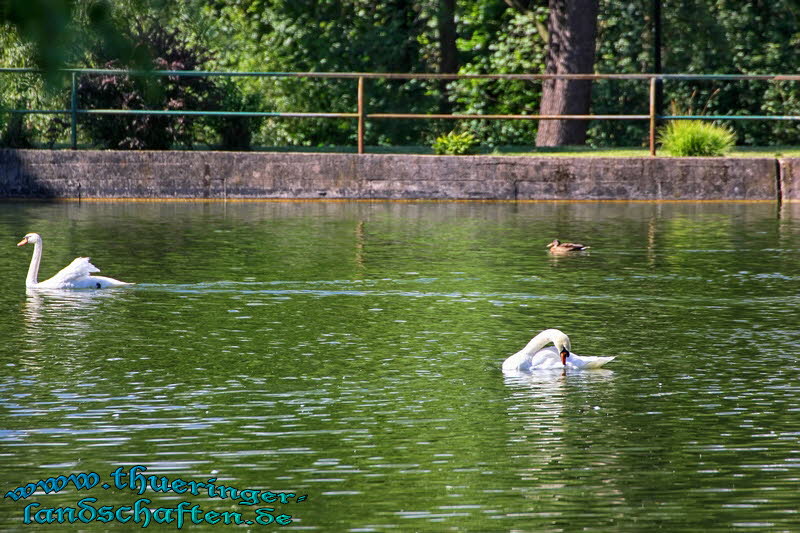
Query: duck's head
point(555, 242)
point(32, 238)
point(562, 344)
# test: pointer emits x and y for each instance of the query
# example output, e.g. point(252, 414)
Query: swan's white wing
point(586, 361)
point(545, 358)
point(97, 282)
point(79, 268)
point(549, 359)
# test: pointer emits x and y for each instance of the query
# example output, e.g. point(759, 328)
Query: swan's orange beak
point(23, 242)
point(564, 355)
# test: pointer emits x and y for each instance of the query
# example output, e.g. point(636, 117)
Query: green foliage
point(15, 133)
point(688, 138)
point(455, 143)
point(169, 51)
point(695, 138)
point(494, 36)
point(43, 22)
point(59, 30)
point(498, 40)
point(24, 91)
point(236, 133)
point(624, 45)
point(701, 37)
point(308, 35)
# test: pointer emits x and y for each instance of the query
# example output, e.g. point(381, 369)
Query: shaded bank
point(233, 175)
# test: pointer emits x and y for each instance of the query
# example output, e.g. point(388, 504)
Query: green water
point(351, 352)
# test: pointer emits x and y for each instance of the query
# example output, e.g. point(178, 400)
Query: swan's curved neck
point(33, 270)
point(538, 342)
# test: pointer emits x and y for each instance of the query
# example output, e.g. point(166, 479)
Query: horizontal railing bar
point(730, 117)
point(432, 76)
point(172, 112)
point(509, 117)
point(213, 113)
point(36, 111)
point(414, 116)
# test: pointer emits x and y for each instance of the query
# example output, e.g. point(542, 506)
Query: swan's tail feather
point(102, 282)
point(597, 362)
point(86, 264)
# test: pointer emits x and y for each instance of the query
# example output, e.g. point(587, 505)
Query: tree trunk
point(572, 29)
point(448, 59)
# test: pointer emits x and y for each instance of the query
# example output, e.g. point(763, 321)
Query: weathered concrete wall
point(115, 174)
point(790, 179)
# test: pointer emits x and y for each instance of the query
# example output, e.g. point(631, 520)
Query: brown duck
point(558, 247)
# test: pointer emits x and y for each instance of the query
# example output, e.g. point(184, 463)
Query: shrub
point(455, 144)
point(149, 132)
point(236, 133)
point(16, 133)
point(687, 138)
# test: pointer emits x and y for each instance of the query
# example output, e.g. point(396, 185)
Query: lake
point(339, 362)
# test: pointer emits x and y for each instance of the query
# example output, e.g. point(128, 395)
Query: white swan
point(534, 357)
point(76, 275)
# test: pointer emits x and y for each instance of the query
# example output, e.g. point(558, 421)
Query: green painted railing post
point(74, 113)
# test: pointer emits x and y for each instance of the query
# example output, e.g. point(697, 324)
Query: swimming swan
point(534, 357)
point(76, 275)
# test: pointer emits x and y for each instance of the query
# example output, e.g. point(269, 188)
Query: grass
point(523, 151)
point(696, 138)
point(528, 151)
point(455, 143)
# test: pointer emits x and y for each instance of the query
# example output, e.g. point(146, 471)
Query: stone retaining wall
point(789, 179)
point(118, 174)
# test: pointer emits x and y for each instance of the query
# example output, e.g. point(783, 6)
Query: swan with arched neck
point(536, 355)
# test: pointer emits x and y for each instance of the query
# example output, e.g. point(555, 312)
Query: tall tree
point(572, 30)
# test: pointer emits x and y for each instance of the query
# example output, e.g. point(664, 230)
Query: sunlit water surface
point(351, 352)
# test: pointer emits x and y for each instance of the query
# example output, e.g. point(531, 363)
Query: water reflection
point(62, 308)
point(548, 391)
point(64, 319)
point(554, 415)
point(543, 381)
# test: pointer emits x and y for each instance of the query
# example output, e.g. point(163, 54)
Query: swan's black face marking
point(98, 285)
point(564, 355)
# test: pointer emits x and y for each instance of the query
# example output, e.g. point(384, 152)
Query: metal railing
point(361, 114)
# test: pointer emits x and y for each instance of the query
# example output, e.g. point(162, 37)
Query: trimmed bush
point(688, 138)
point(455, 144)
